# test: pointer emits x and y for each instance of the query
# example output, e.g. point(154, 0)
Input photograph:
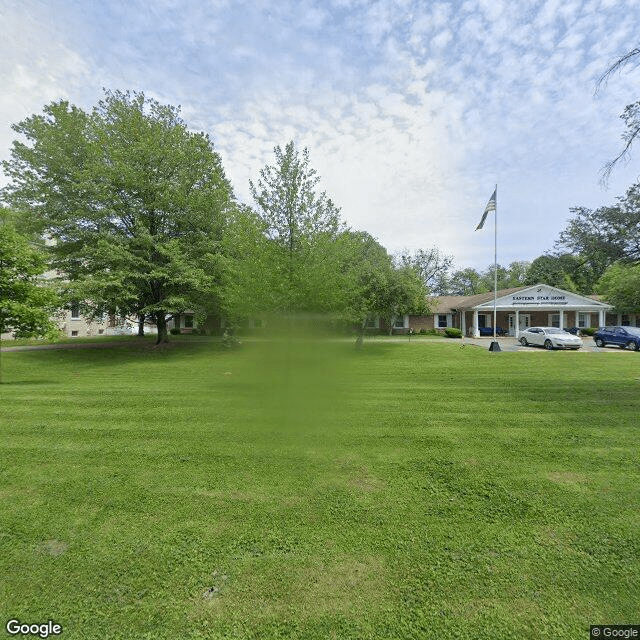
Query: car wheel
point(599, 342)
point(632, 346)
point(523, 342)
point(548, 345)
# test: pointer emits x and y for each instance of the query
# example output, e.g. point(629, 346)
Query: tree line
point(134, 210)
point(140, 219)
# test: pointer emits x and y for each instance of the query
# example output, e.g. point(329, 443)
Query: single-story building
point(516, 309)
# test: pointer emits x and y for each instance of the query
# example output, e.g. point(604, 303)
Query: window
point(442, 320)
point(584, 320)
point(399, 323)
point(75, 311)
point(371, 323)
point(482, 321)
point(626, 321)
point(554, 320)
point(188, 322)
point(100, 332)
point(74, 334)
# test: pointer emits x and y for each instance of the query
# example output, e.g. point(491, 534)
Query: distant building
point(516, 309)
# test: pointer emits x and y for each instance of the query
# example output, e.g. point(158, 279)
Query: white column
point(561, 319)
point(619, 318)
point(463, 323)
point(517, 327)
point(601, 317)
point(476, 332)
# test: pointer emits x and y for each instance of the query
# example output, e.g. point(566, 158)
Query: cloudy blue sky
point(412, 110)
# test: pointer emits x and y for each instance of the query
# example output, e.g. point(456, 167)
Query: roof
point(451, 304)
point(447, 304)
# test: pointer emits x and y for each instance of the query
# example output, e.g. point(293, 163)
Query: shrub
point(587, 331)
point(453, 333)
point(174, 331)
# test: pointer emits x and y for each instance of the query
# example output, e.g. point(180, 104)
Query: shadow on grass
point(106, 355)
point(27, 382)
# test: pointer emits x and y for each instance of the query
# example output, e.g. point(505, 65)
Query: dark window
point(188, 322)
point(442, 320)
point(75, 310)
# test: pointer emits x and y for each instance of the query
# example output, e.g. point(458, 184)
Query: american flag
point(491, 206)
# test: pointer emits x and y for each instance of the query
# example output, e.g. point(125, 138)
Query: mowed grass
point(311, 491)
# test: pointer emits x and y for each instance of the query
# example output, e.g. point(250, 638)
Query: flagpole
point(492, 206)
point(495, 262)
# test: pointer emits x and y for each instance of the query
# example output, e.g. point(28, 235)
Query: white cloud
point(412, 111)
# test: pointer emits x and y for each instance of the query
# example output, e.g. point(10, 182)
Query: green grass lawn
point(415, 490)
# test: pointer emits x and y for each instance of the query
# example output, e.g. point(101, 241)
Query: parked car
point(488, 331)
point(624, 337)
point(549, 338)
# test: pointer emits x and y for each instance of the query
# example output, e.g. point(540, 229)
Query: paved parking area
point(511, 344)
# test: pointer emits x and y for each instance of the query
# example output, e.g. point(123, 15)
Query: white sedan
point(549, 338)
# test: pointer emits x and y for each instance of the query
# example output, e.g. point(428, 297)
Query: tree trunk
point(360, 336)
point(141, 318)
point(161, 323)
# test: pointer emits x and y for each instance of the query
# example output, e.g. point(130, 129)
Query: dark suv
point(624, 337)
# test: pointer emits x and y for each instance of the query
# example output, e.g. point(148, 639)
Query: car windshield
point(554, 330)
point(633, 330)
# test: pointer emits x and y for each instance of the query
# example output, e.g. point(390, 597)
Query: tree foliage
point(27, 301)
point(471, 282)
point(620, 286)
point(134, 201)
point(378, 287)
point(432, 266)
point(556, 271)
point(303, 226)
point(313, 263)
point(288, 201)
point(603, 236)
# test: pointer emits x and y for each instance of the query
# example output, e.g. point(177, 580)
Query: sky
point(412, 111)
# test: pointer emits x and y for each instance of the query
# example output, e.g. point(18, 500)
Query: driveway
point(511, 344)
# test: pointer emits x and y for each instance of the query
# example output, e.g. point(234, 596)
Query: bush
point(174, 332)
point(587, 331)
point(453, 333)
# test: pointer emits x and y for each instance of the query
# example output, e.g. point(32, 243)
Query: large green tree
point(605, 235)
point(620, 287)
point(303, 225)
point(375, 285)
point(311, 262)
point(134, 201)
point(27, 300)
point(568, 271)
